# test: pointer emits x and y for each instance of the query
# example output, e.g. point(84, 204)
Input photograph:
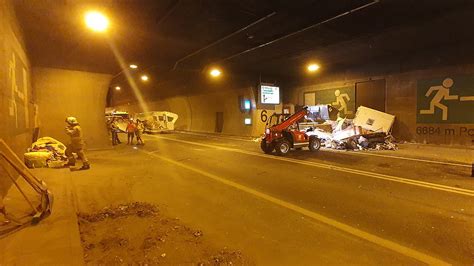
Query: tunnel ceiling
point(156, 34)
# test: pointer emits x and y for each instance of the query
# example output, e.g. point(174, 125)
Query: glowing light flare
point(144, 78)
point(133, 66)
point(312, 67)
point(215, 72)
point(131, 81)
point(96, 21)
point(117, 88)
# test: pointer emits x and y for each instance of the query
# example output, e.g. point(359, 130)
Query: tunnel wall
point(198, 112)
point(17, 97)
point(401, 101)
point(63, 93)
point(16, 94)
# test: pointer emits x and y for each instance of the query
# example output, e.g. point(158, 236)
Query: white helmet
point(72, 120)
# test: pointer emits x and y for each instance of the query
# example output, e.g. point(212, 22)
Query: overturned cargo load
point(370, 129)
point(157, 121)
point(373, 120)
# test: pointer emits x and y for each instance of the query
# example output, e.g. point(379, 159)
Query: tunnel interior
point(252, 42)
point(299, 132)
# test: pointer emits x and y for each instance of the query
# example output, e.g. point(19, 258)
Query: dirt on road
point(139, 233)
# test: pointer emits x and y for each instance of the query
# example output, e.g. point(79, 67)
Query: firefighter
point(77, 143)
point(114, 130)
point(131, 128)
point(139, 131)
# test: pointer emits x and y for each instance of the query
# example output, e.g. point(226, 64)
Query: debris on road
point(139, 233)
point(139, 209)
point(369, 130)
point(198, 233)
point(46, 152)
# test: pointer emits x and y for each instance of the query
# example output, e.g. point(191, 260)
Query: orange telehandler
point(285, 135)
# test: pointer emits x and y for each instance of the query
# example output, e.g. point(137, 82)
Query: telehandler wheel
point(314, 143)
point(282, 147)
point(266, 148)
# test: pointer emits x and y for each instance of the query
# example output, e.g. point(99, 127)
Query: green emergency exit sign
point(448, 100)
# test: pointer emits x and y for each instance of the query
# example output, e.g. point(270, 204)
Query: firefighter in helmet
point(77, 143)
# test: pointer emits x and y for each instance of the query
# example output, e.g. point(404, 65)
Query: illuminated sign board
point(269, 94)
point(247, 104)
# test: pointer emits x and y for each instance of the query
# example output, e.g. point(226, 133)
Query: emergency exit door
point(371, 94)
point(219, 121)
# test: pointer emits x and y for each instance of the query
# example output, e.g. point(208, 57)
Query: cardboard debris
point(373, 120)
point(370, 129)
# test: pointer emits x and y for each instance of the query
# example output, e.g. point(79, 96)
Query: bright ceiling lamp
point(144, 78)
point(312, 67)
point(215, 72)
point(96, 21)
point(133, 66)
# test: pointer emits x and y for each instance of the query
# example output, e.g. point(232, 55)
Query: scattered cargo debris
point(46, 152)
point(140, 233)
point(316, 126)
point(370, 129)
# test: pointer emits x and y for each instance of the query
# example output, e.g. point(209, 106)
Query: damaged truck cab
point(285, 135)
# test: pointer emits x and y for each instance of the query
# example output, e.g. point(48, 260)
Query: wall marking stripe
point(323, 219)
point(461, 191)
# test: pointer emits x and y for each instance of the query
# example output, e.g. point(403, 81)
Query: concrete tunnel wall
point(17, 96)
point(401, 101)
point(42, 98)
point(198, 112)
point(63, 93)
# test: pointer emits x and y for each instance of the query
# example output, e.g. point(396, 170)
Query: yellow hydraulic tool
point(12, 168)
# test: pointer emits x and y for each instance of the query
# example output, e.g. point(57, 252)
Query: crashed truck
point(157, 121)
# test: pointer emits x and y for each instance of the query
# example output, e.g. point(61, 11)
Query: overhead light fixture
point(215, 72)
point(312, 67)
point(144, 78)
point(117, 88)
point(133, 66)
point(96, 21)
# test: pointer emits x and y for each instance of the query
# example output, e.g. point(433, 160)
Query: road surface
point(306, 208)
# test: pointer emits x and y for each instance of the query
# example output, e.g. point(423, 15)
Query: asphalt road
point(306, 208)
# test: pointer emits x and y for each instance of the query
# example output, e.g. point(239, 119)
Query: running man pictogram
point(341, 102)
point(441, 94)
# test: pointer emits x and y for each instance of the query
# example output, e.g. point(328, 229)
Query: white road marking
point(209, 136)
point(418, 183)
point(345, 152)
point(399, 157)
point(323, 219)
